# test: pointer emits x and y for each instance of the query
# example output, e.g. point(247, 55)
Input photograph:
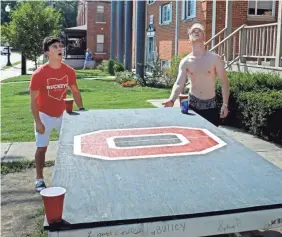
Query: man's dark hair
point(48, 41)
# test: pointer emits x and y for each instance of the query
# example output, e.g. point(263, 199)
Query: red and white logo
point(119, 144)
point(57, 88)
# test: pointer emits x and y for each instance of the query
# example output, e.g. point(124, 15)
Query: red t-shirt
point(52, 85)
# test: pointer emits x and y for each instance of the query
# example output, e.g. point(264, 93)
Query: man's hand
point(40, 128)
point(168, 103)
point(224, 111)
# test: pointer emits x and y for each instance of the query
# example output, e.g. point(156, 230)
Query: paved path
point(16, 70)
point(15, 151)
point(14, 57)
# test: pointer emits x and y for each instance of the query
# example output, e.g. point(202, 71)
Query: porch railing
point(260, 41)
point(216, 39)
point(247, 43)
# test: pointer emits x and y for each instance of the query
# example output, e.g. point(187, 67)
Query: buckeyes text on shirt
point(52, 85)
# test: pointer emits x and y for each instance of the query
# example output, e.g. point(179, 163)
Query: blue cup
point(184, 106)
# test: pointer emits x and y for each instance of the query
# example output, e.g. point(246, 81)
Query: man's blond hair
point(197, 25)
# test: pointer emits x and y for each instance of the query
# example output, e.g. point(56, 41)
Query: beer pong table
point(158, 172)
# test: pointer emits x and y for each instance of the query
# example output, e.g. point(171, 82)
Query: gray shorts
point(202, 104)
point(206, 108)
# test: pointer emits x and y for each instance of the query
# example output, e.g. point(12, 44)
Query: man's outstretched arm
point(76, 96)
point(178, 86)
point(221, 73)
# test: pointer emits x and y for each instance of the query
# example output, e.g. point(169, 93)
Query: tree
point(4, 14)
point(69, 12)
point(31, 22)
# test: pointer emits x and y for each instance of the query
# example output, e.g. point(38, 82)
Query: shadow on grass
point(17, 166)
point(26, 92)
point(80, 74)
point(21, 201)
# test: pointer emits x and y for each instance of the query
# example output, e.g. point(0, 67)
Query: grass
point(17, 120)
point(25, 78)
point(80, 74)
point(13, 64)
point(39, 220)
point(17, 166)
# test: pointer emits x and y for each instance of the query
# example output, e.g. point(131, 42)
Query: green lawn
point(80, 74)
point(17, 120)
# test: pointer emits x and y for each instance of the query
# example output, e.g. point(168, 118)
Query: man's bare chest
point(200, 67)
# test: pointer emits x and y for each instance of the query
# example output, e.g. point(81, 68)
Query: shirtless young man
point(202, 67)
point(48, 88)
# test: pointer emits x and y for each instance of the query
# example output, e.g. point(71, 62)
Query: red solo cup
point(69, 104)
point(182, 97)
point(53, 199)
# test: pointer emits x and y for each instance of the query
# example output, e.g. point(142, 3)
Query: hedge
point(255, 103)
point(262, 112)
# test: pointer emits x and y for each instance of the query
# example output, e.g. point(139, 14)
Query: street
point(14, 57)
point(15, 70)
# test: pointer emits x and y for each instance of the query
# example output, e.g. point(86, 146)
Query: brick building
point(96, 16)
point(162, 19)
point(167, 22)
point(163, 16)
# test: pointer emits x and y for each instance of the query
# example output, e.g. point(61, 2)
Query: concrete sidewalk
point(16, 151)
point(16, 70)
point(271, 152)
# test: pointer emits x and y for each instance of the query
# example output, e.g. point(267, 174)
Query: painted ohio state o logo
point(133, 143)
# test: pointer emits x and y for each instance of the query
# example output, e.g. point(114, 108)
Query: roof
point(77, 28)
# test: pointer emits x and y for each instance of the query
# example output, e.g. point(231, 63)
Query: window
point(188, 10)
point(100, 16)
point(151, 1)
point(165, 63)
point(261, 8)
point(150, 52)
point(100, 44)
point(151, 19)
point(151, 42)
point(165, 14)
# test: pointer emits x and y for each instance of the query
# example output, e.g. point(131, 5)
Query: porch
point(75, 46)
point(249, 48)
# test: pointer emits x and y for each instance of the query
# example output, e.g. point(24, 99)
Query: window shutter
point(170, 12)
point(160, 15)
point(183, 10)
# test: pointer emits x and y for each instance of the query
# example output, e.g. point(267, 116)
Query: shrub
point(167, 79)
point(162, 77)
point(103, 66)
point(262, 113)
point(155, 76)
point(111, 65)
point(243, 82)
point(118, 67)
point(174, 66)
point(246, 82)
point(122, 77)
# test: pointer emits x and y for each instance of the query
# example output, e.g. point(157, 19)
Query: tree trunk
point(35, 62)
point(23, 69)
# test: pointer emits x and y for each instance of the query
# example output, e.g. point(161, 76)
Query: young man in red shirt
point(48, 87)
